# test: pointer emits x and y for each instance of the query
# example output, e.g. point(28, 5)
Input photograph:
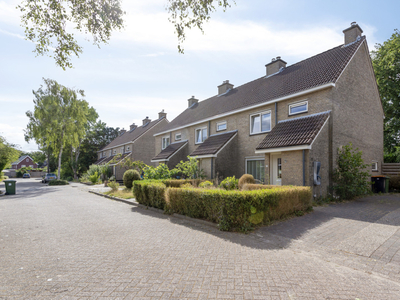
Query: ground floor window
point(255, 167)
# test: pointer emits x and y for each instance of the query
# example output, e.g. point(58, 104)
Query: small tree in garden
point(160, 172)
point(349, 176)
point(189, 169)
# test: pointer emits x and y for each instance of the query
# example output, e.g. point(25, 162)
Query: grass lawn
point(121, 193)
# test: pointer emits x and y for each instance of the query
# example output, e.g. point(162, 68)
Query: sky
point(140, 72)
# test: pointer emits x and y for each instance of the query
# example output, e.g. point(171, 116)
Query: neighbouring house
point(138, 144)
point(24, 161)
point(286, 126)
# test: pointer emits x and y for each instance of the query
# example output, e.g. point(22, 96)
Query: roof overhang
point(281, 149)
point(176, 151)
point(305, 92)
point(216, 154)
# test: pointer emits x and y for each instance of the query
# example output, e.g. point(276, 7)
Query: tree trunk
point(75, 169)
point(48, 159)
point(59, 156)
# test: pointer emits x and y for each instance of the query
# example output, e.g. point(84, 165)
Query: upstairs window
point(374, 166)
point(178, 136)
point(221, 126)
point(201, 135)
point(298, 108)
point(260, 122)
point(165, 142)
point(127, 148)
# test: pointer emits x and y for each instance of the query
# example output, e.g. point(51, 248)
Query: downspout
point(304, 167)
point(276, 113)
point(209, 128)
point(212, 167)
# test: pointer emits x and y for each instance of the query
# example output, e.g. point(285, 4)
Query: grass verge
point(123, 194)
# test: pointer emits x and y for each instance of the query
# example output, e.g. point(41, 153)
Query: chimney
point(352, 33)
point(192, 101)
point(133, 126)
point(162, 114)
point(224, 87)
point(122, 131)
point(146, 121)
point(275, 65)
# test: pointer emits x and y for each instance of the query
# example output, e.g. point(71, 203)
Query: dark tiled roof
point(169, 151)
point(213, 144)
point(294, 132)
point(315, 71)
point(115, 159)
point(132, 135)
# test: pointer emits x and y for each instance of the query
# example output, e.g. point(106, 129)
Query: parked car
point(48, 177)
point(26, 175)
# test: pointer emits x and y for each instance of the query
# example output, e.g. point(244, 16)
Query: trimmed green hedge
point(58, 182)
point(232, 210)
point(150, 193)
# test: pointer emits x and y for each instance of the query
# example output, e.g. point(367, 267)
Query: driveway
point(65, 243)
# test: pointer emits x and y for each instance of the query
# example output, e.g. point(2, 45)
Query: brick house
point(24, 161)
point(138, 144)
point(285, 127)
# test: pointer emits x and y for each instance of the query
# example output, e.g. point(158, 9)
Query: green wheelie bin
point(10, 186)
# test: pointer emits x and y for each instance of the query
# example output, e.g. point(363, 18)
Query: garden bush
point(246, 178)
point(94, 178)
point(206, 184)
point(58, 182)
point(394, 183)
point(113, 185)
point(230, 183)
point(350, 176)
point(150, 193)
point(129, 177)
point(252, 187)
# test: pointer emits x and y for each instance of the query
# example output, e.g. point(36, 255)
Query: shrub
point(58, 182)
point(252, 187)
point(160, 172)
point(113, 185)
point(246, 178)
point(129, 177)
point(349, 176)
point(106, 172)
point(230, 183)
point(150, 193)
point(175, 182)
point(238, 209)
point(206, 184)
point(94, 178)
point(189, 169)
point(394, 182)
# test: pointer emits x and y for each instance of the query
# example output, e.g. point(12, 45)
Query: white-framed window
point(298, 108)
point(374, 166)
point(178, 136)
point(255, 167)
point(165, 142)
point(115, 151)
point(200, 135)
point(23, 166)
point(221, 126)
point(127, 148)
point(31, 166)
point(260, 122)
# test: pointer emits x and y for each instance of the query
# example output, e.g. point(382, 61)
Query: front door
point(276, 169)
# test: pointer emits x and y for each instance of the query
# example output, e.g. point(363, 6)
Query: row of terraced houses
point(284, 128)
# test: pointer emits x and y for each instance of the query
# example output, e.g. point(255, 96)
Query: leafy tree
point(59, 118)
point(386, 62)
point(349, 176)
point(189, 168)
point(8, 153)
point(46, 21)
point(97, 136)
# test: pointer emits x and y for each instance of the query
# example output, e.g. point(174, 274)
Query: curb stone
point(134, 203)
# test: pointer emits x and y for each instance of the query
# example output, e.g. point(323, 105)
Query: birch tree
point(59, 118)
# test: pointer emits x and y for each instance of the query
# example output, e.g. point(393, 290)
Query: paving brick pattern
point(65, 243)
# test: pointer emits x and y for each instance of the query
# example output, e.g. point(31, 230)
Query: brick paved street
point(65, 243)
